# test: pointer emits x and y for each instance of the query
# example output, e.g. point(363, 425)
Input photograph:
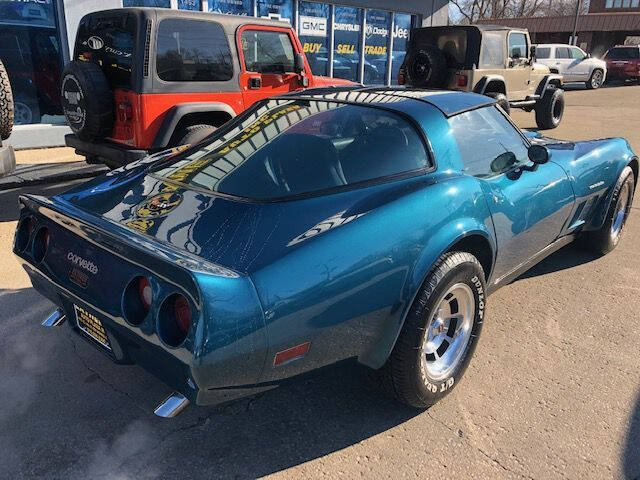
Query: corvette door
point(528, 208)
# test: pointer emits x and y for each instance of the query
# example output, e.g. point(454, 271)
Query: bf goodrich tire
point(195, 134)
point(550, 108)
point(605, 239)
point(440, 333)
point(426, 67)
point(6, 104)
point(502, 100)
point(87, 100)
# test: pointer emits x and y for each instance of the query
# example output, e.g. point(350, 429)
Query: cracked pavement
point(552, 392)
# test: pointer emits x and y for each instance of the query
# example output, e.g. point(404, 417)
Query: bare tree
point(470, 11)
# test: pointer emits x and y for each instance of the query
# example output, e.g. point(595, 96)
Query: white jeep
point(572, 63)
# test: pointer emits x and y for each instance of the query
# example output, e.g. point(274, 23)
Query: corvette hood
point(240, 235)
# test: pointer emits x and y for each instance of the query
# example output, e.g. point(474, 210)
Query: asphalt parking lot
point(553, 390)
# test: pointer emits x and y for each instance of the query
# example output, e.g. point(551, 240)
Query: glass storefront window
point(313, 30)
point(401, 28)
point(190, 5)
point(346, 50)
point(30, 51)
point(231, 7)
point(276, 9)
point(147, 3)
point(375, 47)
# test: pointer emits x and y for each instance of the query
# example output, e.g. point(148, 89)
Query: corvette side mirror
point(538, 154)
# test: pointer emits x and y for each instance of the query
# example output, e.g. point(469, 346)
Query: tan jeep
point(492, 60)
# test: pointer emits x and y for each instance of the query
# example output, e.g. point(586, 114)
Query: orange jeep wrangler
point(146, 79)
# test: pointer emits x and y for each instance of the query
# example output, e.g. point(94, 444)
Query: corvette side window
point(488, 143)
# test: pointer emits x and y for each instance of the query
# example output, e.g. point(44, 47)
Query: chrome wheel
point(596, 79)
point(448, 331)
point(622, 210)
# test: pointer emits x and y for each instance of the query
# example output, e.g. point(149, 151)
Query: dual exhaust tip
point(170, 407)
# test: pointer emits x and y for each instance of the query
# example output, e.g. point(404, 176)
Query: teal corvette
point(337, 223)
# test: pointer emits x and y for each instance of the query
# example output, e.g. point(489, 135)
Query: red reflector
point(462, 80)
point(292, 353)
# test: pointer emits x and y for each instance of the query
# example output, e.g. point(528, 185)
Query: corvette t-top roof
point(450, 103)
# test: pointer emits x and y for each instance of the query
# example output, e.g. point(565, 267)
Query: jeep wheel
point(502, 100)
point(440, 333)
point(87, 100)
point(426, 67)
point(195, 134)
point(596, 80)
point(605, 239)
point(6, 104)
point(550, 108)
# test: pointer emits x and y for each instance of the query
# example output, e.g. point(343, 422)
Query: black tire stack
point(6, 104)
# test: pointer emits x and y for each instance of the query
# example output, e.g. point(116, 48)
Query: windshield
point(292, 147)
point(630, 53)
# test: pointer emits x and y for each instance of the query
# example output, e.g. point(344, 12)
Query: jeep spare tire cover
point(87, 100)
point(427, 67)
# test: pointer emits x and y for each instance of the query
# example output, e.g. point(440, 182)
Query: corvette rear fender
point(231, 341)
point(458, 234)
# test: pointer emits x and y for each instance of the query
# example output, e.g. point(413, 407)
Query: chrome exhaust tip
point(172, 405)
point(55, 319)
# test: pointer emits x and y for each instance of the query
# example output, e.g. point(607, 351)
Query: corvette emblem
point(159, 205)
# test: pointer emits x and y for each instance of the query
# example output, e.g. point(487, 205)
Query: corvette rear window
point(289, 147)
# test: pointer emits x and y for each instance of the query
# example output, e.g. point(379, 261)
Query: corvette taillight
point(144, 291)
point(41, 244)
point(174, 320)
point(137, 300)
point(25, 229)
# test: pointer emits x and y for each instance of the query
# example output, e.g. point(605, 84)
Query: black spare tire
point(6, 104)
point(426, 67)
point(87, 100)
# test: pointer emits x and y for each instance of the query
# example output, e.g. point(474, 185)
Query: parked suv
point(623, 62)
point(492, 60)
point(145, 79)
point(573, 64)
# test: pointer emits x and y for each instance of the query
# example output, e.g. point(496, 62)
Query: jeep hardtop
point(492, 60)
point(146, 79)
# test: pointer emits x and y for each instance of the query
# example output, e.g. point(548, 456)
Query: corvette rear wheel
point(607, 238)
point(440, 333)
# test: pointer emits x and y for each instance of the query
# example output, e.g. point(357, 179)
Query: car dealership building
point(359, 40)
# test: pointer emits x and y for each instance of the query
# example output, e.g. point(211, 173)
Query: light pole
point(574, 40)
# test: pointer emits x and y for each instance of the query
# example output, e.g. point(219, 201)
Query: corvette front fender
point(442, 241)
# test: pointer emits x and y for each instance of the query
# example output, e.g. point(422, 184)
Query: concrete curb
point(49, 173)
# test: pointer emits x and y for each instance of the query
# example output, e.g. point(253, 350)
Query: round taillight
point(144, 290)
point(136, 300)
point(174, 320)
point(25, 229)
point(41, 244)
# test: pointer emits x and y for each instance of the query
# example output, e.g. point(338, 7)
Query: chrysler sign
point(313, 26)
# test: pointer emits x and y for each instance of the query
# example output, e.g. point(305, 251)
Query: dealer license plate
point(92, 326)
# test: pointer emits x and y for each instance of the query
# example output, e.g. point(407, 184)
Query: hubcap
point(448, 331)
point(621, 210)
